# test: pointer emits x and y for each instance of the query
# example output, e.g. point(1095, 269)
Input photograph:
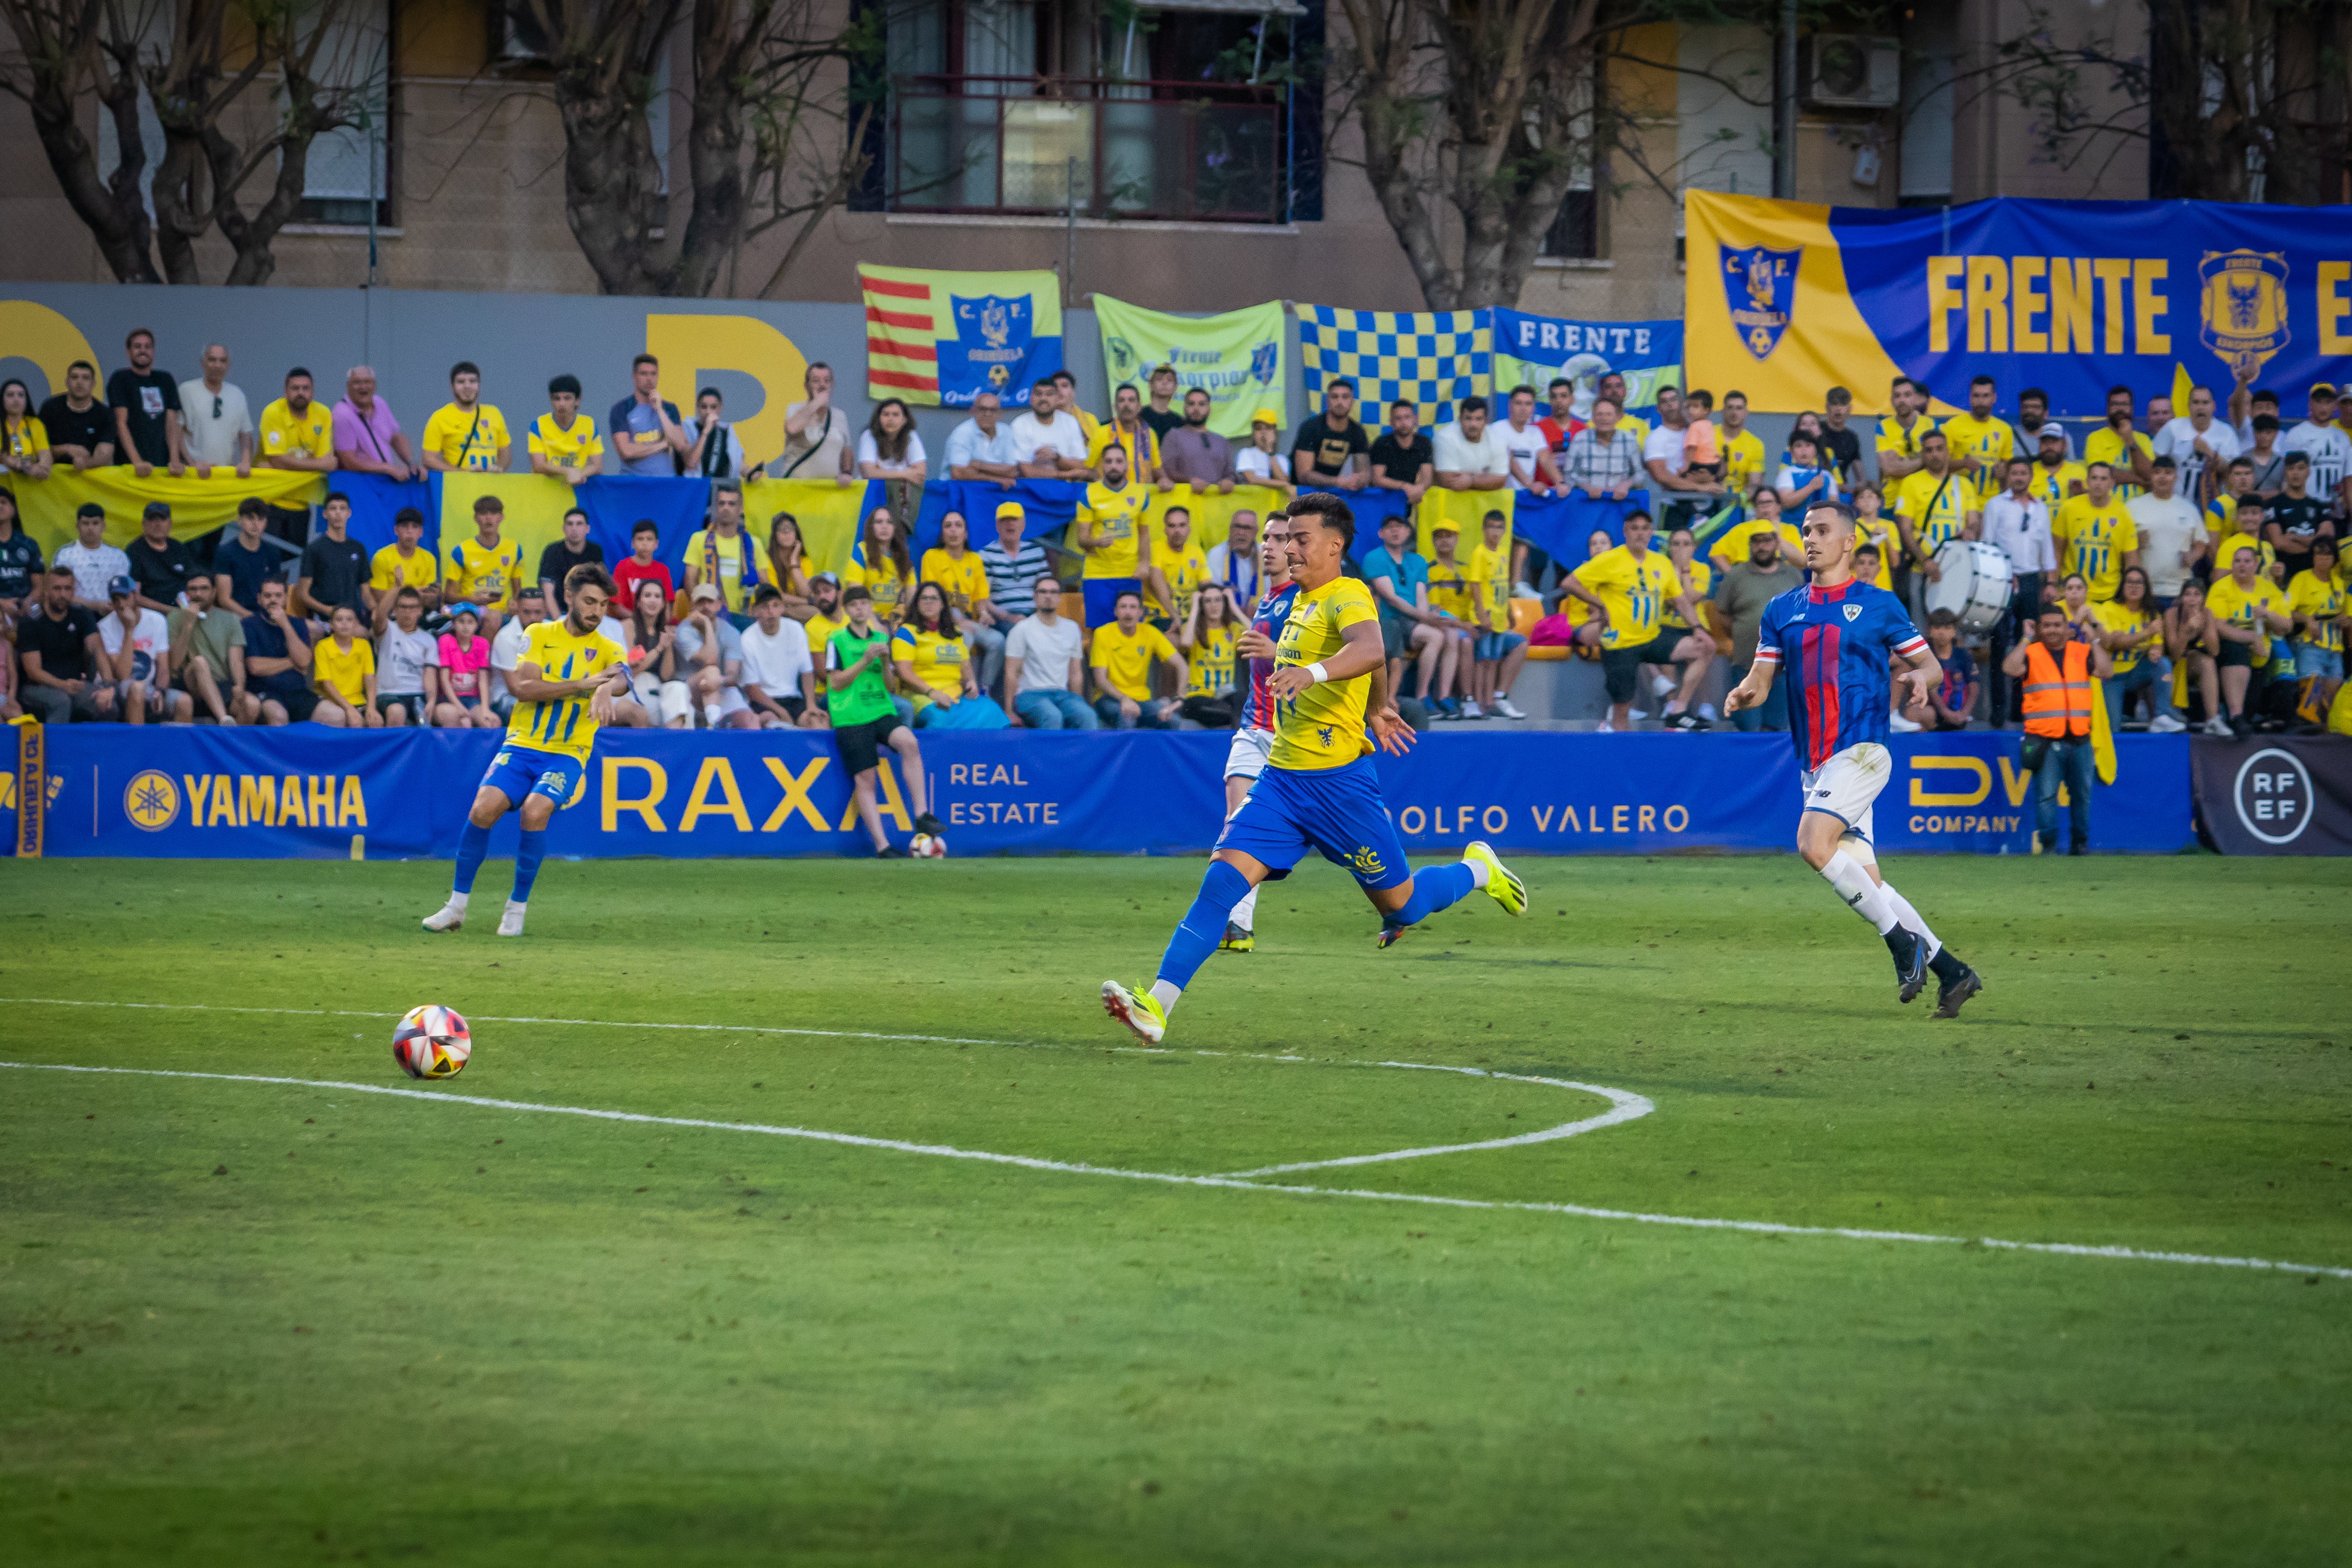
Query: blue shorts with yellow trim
point(1336, 810)
point(519, 772)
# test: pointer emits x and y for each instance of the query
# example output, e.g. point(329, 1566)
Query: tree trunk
point(65, 47)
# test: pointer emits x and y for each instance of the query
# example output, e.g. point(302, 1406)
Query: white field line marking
point(1752, 1227)
point(1625, 1106)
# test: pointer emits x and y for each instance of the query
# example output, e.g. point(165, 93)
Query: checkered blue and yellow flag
point(1432, 358)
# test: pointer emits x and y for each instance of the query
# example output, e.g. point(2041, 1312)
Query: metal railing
point(1203, 150)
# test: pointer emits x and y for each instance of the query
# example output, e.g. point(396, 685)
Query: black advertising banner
point(2276, 794)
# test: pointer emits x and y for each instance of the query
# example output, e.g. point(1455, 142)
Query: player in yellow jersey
point(2095, 534)
point(564, 685)
point(1319, 790)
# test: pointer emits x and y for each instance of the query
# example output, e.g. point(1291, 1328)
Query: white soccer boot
point(510, 923)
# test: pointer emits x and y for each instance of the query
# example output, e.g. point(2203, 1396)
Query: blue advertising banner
point(1532, 350)
point(304, 792)
point(1784, 299)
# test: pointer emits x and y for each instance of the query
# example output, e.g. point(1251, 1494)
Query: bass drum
point(1975, 584)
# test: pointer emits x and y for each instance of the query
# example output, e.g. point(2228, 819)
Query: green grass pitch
point(245, 1323)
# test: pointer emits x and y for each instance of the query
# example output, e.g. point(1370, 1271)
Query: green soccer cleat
point(1501, 886)
point(1137, 1010)
point(1238, 939)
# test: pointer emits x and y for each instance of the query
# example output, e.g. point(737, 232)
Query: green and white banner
point(1238, 358)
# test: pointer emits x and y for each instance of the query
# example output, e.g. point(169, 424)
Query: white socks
point(1165, 995)
point(1479, 874)
point(710, 714)
point(457, 902)
point(1868, 899)
point(1245, 913)
point(1910, 917)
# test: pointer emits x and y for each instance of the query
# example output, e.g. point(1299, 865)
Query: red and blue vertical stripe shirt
point(1833, 645)
point(1257, 713)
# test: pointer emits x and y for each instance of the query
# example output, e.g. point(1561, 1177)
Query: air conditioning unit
point(1853, 71)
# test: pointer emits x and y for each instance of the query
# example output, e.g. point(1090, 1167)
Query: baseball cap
point(825, 577)
point(1011, 509)
point(704, 591)
point(465, 607)
point(1266, 416)
point(120, 585)
point(2326, 386)
point(2054, 431)
point(157, 509)
point(1443, 527)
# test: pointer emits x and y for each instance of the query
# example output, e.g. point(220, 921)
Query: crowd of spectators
point(2194, 551)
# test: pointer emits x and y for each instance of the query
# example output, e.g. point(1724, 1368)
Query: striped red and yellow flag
point(902, 331)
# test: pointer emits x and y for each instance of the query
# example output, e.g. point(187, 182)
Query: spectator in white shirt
point(1046, 666)
point(94, 563)
point(137, 643)
point(1686, 494)
point(2201, 447)
point(711, 662)
point(216, 424)
point(408, 663)
point(889, 447)
point(1233, 564)
point(816, 435)
point(1262, 462)
point(1470, 454)
point(507, 647)
point(1529, 447)
point(2323, 441)
point(2245, 408)
point(779, 677)
point(2171, 531)
point(2017, 523)
point(982, 447)
point(1052, 445)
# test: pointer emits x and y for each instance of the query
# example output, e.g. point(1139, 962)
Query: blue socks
point(533, 851)
point(1436, 888)
point(473, 844)
point(1203, 926)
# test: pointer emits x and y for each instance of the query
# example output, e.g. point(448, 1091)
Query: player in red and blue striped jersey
point(1835, 638)
point(1254, 729)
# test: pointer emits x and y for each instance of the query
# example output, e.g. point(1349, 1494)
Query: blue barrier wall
point(306, 792)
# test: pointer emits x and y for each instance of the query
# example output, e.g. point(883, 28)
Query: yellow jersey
point(285, 434)
point(1633, 426)
point(1323, 726)
point(1634, 591)
point(26, 438)
point(466, 440)
point(1490, 573)
point(938, 662)
point(1698, 577)
point(483, 573)
point(1210, 672)
point(577, 447)
point(1989, 441)
point(1880, 531)
point(1449, 590)
point(2227, 601)
point(2103, 446)
point(2323, 599)
point(2053, 487)
point(1732, 549)
point(565, 726)
point(1893, 437)
point(1937, 508)
point(1118, 515)
point(2093, 541)
point(891, 593)
point(820, 631)
point(391, 569)
point(961, 577)
point(2225, 553)
point(1142, 448)
point(736, 565)
point(1743, 461)
point(1123, 663)
point(1185, 570)
point(345, 669)
point(2115, 618)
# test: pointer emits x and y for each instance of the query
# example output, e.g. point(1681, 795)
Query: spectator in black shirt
point(2298, 517)
point(20, 559)
point(574, 549)
point(1161, 413)
point(81, 428)
point(1840, 446)
point(160, 564)
point(146, 405)
point(57, 644)
point(335, 567)
point(1323, 455)
point(242, 564)
point(1404, 459)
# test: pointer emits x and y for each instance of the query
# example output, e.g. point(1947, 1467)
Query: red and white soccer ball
point(928, 846)
point(432, 1042)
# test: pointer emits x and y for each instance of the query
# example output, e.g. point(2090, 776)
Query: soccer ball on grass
point(928, 847)
point(432, 1042)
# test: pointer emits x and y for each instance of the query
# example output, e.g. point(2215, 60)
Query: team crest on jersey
point(1323, 732)
point(1759, 285)
point(1852, 611)
point(2243, 304)
point(1364, 862)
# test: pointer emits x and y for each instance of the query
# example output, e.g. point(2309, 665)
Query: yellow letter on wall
point(2028, 302)
point(1942, 298)
point(2334, 307)
point(689, 346)
point(1987, 305)
point(2148, 306)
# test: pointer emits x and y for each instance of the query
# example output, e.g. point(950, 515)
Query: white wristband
point(1317, 673)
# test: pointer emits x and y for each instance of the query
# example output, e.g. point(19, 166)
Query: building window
point(1575, 234)
point(349, 170)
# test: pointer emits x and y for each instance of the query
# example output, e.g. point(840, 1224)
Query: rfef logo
point(2273, 796)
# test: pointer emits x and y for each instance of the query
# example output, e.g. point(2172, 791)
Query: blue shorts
point(2310, 659)
point(1335, 810)
point(1497, 645)
point(521, 771)
point(1102, 597)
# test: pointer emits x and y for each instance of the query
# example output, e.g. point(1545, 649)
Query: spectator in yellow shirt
point(2317, 602)
point(1128, 432)
point(1500, 650)
point(1934, 503)
point(562, 442)
point(296, 432)
point(343, 671)
point(933, 663)
point(2130, 455)
point(963, 578)
point(1981, 441)
point(1899, 435)
point(2056, 479)
point(2246, 608)
point(2095, 534)
point(486, 570)
point(1120, 656)
point(2249, 515)
point(1764, 516)
point(1743, 449)
point(403, 564)
point(1182, 565)
point(465, 435)
point(882, 565)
